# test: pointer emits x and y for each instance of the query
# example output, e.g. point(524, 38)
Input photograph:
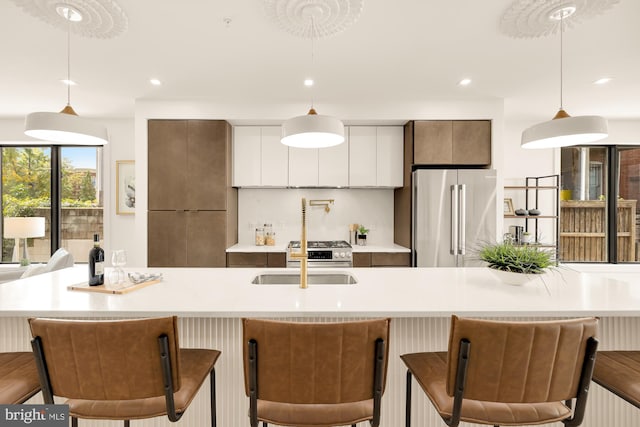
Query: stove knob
point(341, 254)
point(348, 254)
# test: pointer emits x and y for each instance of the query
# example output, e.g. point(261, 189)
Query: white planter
point(511, 278)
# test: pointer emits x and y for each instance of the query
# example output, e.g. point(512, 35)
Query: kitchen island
point(211, 302)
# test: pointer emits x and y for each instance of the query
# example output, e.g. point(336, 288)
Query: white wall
point(282, 208)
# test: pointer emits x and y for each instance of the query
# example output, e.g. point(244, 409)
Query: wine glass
point(118, 260)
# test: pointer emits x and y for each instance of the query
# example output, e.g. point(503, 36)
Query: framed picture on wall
point(125, 187)
point(508, 207)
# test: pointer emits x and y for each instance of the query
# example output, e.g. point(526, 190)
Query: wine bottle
point(96, 263)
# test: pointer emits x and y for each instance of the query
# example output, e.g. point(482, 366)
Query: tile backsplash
point(282, 208)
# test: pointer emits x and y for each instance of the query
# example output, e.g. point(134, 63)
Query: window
point(71, 205)
point(598, 207)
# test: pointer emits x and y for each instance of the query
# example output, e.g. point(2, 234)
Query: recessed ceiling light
point(464, 82)
point(155, 82)
point(68, 82)
point(308, 82)
point(602, 81)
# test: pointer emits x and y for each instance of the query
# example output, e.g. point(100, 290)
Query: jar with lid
point(270, 238)
point(269, 235)
point(259, 236)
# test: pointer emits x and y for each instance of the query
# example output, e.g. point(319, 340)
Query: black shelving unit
point(533, 188)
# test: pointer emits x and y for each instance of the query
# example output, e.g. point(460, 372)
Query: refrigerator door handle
point(462, 219)
point(454, 220)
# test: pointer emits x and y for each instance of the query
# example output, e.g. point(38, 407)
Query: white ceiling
point(399, 52)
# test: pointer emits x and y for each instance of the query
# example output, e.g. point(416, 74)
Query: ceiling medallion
point(530, 19)
point(330, 17)
point(102, 19)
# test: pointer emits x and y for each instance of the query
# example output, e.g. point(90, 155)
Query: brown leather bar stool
point(508, 373)
point(120, 369)
point(619, 372)
point(18, 377)
point(315, 374)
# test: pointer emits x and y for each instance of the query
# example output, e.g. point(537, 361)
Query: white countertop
point(394, 292)
point(391, 248)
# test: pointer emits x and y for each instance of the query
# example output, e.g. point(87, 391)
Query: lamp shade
point(23, 227)
point(564, 132)
point(65, 129)
point(312, 131)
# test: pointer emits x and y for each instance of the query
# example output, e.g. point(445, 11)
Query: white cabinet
point(371, 156)
point(390, 158)
point(275, 157)
point(303, 167)
point(246, 156)
point(375, 156)
point(333, 165)
point(362, 156)
point(319, 167)
point(259, 159)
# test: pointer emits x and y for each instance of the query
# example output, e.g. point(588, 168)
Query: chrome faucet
point(303, 255)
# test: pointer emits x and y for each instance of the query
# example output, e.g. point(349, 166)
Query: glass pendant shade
point(312, 131)
point(65, 128)
point(564, 130)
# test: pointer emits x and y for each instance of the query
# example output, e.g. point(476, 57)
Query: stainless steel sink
point(313, 278)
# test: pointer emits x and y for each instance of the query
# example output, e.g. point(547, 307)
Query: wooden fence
point(583, 227)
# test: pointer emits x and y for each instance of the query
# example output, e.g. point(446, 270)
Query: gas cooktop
point(321, 244)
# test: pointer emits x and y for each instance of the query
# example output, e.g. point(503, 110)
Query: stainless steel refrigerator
point(454, 212)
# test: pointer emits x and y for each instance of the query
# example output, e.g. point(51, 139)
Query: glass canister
point(259, 236)
point(270, 238)
point(269, 235)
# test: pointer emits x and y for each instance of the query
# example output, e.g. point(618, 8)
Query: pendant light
point(312, 130)
point(66, 127)
point(564, 130)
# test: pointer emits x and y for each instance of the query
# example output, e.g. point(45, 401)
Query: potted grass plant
point(516, 264)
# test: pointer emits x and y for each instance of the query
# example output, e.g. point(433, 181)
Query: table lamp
point(23, 228)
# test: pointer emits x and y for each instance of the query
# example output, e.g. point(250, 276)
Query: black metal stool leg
point(74, 422)
point(126, 423)
point(408, 403)
point(212, 380)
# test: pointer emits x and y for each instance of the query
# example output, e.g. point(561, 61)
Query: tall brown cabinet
point(192, 211)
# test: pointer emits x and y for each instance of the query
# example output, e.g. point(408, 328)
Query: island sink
point(313, 278)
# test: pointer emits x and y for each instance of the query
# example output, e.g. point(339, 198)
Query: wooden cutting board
point(109, 288)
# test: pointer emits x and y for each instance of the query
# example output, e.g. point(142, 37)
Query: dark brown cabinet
point(381, 259)
point(452, 142)
point(256, 259)
point(192, 208)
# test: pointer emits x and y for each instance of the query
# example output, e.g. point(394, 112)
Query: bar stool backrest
point(520, 362)
point(315, 363)
point(107, 359)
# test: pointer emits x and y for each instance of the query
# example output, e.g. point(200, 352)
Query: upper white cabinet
point(303, 167)
point(375, 156)
point(389, 159)
point(274, 158)
point(259, 159)
point(319, 167)
point(333, 165)
point(371, 156)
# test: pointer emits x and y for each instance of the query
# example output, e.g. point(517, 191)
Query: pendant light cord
point(68, 62)
point(313, 33)
point(561, 56)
